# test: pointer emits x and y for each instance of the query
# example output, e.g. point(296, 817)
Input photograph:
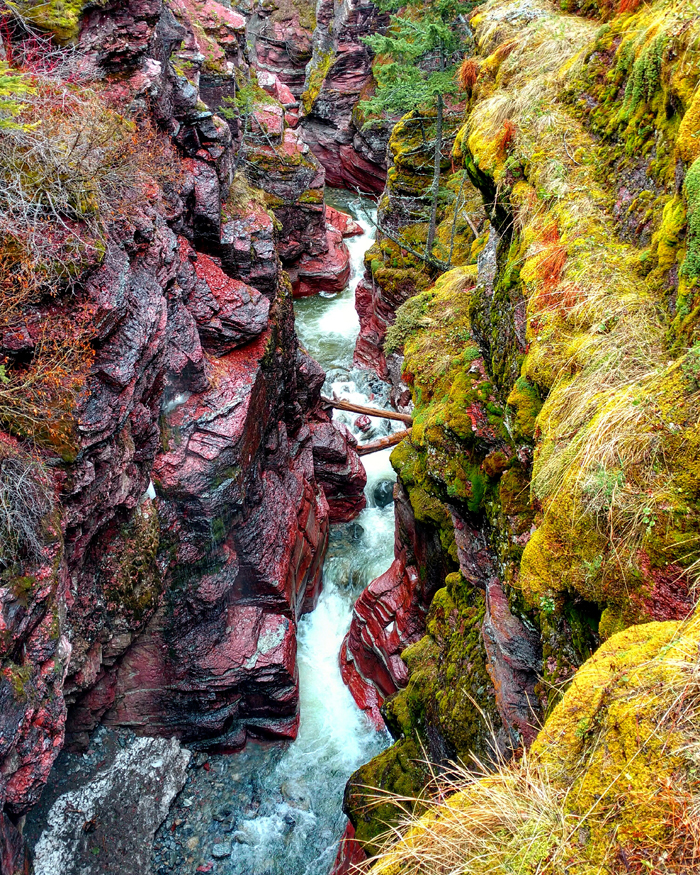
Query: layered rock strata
point(339, 74)
point(186, 521)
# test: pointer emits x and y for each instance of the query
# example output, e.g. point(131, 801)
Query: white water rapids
point(276, 809)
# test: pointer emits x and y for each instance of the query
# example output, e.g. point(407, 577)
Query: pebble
point(221, 851)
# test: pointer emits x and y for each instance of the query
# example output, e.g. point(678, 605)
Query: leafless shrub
point(71, 169)
point(25, 501)
point(67, 174)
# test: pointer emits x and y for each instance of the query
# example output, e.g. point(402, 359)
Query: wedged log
point(368, 411)
point(383, 443)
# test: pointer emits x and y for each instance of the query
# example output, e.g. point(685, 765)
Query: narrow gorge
point(349, 437)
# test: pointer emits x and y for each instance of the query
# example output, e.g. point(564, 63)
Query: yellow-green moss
point(525, 400)
point(134, 588)
point(611, 742)
point(315, 78)
point(398, 770)
point(611, 777)
point(689, 131)
point(59, 17)
point(667, 250)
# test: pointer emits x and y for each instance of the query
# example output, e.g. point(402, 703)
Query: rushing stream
point(275, 809)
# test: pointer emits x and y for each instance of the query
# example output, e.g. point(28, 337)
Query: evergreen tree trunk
point(436, 178)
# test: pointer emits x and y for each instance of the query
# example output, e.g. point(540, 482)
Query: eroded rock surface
point(192, 511)
point(353, 155)
point(390, 614)
point(106, 820)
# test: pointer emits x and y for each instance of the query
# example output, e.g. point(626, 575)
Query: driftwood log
point(367, 411)
point(382, 443)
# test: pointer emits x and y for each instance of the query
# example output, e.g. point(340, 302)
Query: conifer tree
point(421, 52)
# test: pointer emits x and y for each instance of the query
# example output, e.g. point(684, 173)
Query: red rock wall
point(353, 158)
point(180, 611)
point(390, 613)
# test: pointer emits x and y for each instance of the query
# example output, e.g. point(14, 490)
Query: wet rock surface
point(264, 809)
point(353, 157)
point(192, 524)
point(390, 613)
point(102, 810)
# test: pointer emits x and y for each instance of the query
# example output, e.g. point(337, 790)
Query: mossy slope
point(608, 785)
point(583, 353)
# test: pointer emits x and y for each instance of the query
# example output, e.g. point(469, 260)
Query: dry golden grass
point(530, 816)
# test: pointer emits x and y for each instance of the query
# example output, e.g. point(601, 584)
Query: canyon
point(215, 598)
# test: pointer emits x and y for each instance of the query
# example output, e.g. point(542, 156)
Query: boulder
point(228, 312)
point(347, 226)
point(350, 853)
point(383, 624)
point(390, 613)
point(109, 819)
point(247, 249)
point(338, 470)
point(329, 272)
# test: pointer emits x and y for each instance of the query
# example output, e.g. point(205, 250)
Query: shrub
point(70, 168)
point(26, 498)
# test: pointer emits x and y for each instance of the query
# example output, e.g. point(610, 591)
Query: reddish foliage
point(676, 810)
point(628, 6)
point(668, 597)
point(507, 136)
point(504, 50)
point(468, 74)
point(551, 233)
point(552, 266)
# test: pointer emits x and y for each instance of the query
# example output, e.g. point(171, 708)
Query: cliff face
point(339, 74)
point(183, 505)
point(554, 446)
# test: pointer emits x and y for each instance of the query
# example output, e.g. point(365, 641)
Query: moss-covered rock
point(557, 404)
point(449, 691)
point(401, 771)
point(58, 17)
point(133, 581)
point(608, 785)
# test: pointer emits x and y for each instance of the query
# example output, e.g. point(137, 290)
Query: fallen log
point(367, 411)
point(383, 443)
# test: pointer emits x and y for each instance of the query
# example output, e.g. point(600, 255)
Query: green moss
point(685, 325)
point(398, 770)
point(408, 317)
point(611, 724)
point(611, 777)
point(134, 586)
point(525, 401)
point(315, 78)
point(59, 17)
point(18, 676)
point(449, 695)
point(22, 588)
